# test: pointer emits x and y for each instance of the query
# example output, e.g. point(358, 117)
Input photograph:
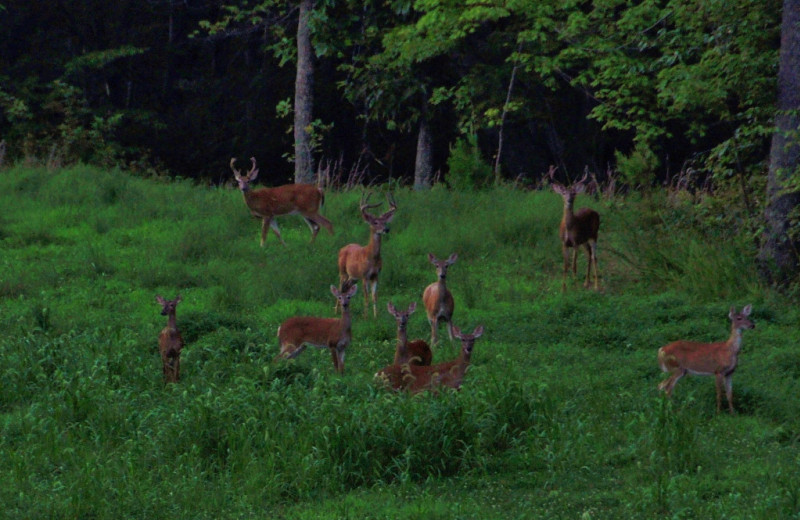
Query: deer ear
point(732, 312)
point(558, 189)
point(352, 290)
point(478, 332)
point(334, 291)
point(253, 175)
point(457, 332)
point(431, 258)
point(452, 259)
point(412, 307)
point(160, 300)
point(578, 188)
point(747, 310)
point(178, 299)
point(391, 309)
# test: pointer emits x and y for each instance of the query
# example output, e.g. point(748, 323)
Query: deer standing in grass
point(334, 333)
point(268, 203)
point(577, 229)
point(439, 304)
point(170, 342)
point(416, 378)
point(705, 359)
point(416, 352)
point(364, 263)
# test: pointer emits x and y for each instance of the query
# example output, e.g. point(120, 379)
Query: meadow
point(559, 415)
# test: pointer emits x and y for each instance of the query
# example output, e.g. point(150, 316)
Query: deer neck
point(374, 246)
point(735, 341)
point(402, 345)
point(441, 287)
point(569, 215)
point(344, 322)
point(172, 322)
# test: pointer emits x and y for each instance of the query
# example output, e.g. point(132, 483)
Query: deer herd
point(411, 369)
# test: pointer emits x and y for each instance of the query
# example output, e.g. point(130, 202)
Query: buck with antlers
point(357, 262)
point(268, 203)
point(577, 229)
point(705, 359)
point(439, 304)
point(416, 352)
point(170, 342)
point(335, 334)
point(416, 378)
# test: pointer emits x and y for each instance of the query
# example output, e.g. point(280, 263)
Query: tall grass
point(558, 417)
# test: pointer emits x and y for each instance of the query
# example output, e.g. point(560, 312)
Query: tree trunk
point(303, 97)
point(778, 257)
point(423, 166)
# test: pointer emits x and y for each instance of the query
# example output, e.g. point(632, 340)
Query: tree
point(779, 250)
point(304, 97)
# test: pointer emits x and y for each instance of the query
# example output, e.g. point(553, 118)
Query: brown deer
point(577, 229)
point(268, 203)
point(439, 304)
point(705, 359)
point(416, 378)
point(364, 263)
point(335, 334)
point(416, 352)
point(170, 342)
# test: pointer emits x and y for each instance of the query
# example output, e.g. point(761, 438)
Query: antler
point(253, 171)
point(391, 201)
point(236, 173)
point(363, 206)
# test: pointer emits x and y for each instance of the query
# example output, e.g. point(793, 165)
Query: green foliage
point(639, 168)
point(558, 415)
point(466, 168)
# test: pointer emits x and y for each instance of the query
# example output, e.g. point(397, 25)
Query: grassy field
point(559, 415)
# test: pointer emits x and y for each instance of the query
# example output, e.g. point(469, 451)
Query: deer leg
point(719, 382)
point(450, 329)
point(668, 384)
point(434, 326)
point(274, 225)
point(565, 254)
point(593, 247)
point(313, 226)
point(588, 264)
point(375, 298)
point(319, 220)
point(289, 351)
point(729, 391)
point(575, 261)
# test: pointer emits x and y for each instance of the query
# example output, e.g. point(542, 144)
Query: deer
point(170, 341)
point(415, 378)
point(577, 229)
point(334, 333)
point(357, 262)
point(439, 304)
point(718, 359)
point(416, 352)
point(268, 203)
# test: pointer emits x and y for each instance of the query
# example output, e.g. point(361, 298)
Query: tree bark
point(423, 166)
point(304, 97)
point(778, 257)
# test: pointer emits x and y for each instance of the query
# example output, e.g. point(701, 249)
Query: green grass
point(559, 416)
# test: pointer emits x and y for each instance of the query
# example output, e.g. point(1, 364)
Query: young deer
point(364, 263)
point(439, 304)
point(268, 203)
point(335, 334)
point(577, 229)
point(416, 352)
point(415, 378)
point(170, 342)
point(705, 359)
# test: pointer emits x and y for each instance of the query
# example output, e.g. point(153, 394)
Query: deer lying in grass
point(705, 359)
point(364, 263)
point(268, 203)
point(335, 334)
point(416, 352)
point(170, 342)
point(416, 378)
point(577, 229)
point(439, 304)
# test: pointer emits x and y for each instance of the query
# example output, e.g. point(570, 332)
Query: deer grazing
point(439, 304)
point(416, 352)
point(170, 342)
point(577, 229)
point(364, 263)
point(416, 378)
point(334, 333)
point(705, 359)
point(268, 203)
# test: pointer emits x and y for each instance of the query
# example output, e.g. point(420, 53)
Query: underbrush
point(559, 415)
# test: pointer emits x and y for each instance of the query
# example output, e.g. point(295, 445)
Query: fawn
point(170, 342)
point(416, 378)
point(439, 304)
point(416, 352)
point(334, 333)
point(705, 359)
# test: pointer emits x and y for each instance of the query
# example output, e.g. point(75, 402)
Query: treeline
point(652, 90)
